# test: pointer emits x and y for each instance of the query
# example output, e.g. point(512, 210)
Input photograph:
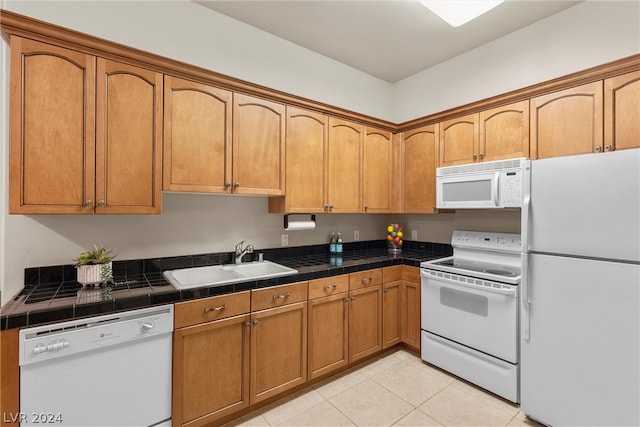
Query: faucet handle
point(250, 249)
point(239, 246)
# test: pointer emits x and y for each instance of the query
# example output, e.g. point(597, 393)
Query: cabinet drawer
point(392, 274)
point(328, 286)
point(277, 296)
point(364, 279)
point(208, 309)
point(411, 274)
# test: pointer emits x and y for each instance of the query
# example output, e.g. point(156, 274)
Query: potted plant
point(94, 267)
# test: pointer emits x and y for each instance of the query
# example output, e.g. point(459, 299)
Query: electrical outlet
point(356, 235)
point(414, 234)
point(285, 240)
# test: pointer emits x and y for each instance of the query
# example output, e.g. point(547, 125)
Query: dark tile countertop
point(51, 294)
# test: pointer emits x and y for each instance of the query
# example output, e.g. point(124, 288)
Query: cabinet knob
point(598, 148)
point(386, 290)
point(608, 148)
point(88, 202)
point(237, 184)
point(366, 280)
point(101, 203)
point(482, 155)
point(366, 207)
point(475, 156)
point(227, 184)
point(330, 286)
point(255, 322)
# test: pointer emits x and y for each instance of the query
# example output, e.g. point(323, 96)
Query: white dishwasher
point(110, 370)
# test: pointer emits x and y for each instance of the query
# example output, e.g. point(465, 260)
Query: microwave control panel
point(511, 188)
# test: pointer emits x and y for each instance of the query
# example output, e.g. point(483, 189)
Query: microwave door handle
point(494, 189)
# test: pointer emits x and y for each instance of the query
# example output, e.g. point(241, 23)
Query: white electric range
point(469, 310)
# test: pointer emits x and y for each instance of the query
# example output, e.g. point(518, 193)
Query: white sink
point(216, 275)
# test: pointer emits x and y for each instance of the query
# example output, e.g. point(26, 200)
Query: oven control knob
point(146, 326)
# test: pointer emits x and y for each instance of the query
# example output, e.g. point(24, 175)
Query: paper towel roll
point(301, 225)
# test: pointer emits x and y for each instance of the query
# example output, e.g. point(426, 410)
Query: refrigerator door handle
point(526, 207)
point(526, 301)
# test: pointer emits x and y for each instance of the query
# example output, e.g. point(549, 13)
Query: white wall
point(186, 31)
point(586, 35)
point(189, 32)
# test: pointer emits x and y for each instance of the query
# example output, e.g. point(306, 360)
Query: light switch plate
point(285, 240)
point(414, 234)
point(356, 235)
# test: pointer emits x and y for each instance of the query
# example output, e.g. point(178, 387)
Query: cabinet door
point(567, 122)
point(365, 322)
point(622, 112)
point(343, 169)
point(504, 132)
point(419, 152)
point(391, 309)
point(197, 137)
point(258, 146)
point(128, 139)
point(52, 137)
point(305, 164)
point(278, 350)
point(377, 171)
point(328, 334)
point(459, 140)
point(210, 370)
point(410, 303)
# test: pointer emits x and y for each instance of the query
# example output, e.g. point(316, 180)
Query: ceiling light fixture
point(458, 12)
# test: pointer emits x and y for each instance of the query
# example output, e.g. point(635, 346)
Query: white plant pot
point(91, 274)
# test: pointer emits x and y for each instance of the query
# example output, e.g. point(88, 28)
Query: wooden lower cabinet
point(328, 334)
point(278, 350)
point(391, 305)
point(410, 303)
point(237, 350)
point(210, 370)
point(365, 313)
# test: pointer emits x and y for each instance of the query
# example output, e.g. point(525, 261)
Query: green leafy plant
point(99, 255)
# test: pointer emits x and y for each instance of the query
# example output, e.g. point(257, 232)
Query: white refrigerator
point(580, 291)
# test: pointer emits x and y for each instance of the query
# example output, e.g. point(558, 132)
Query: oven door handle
point(511, 291)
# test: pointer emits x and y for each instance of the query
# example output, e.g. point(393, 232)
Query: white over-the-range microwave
point(499, 184)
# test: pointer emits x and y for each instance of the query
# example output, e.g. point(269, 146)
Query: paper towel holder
point(300, 225)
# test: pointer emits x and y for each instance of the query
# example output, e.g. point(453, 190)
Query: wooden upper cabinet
point(197, 137)
point(567, 122)
point(52, 137)
point(78, 146)
point(258, 146)
point(622, 112)
point(504, 132)
point(343, 169)
point(459, 140)
point(306, 143)
point(377, 171)
point(419, 156)
point(128, 139)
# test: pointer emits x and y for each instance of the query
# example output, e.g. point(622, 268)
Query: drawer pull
point(222, 307)
point(348, 299)
point(386, 290)
point(282, 296)
point(330, 286)
point(367, 280)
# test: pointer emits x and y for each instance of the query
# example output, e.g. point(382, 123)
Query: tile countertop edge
point(21, 316)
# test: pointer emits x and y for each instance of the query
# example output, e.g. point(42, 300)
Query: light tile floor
point(395, 389)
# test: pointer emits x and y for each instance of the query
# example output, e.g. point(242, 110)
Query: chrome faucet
point(241, 251)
